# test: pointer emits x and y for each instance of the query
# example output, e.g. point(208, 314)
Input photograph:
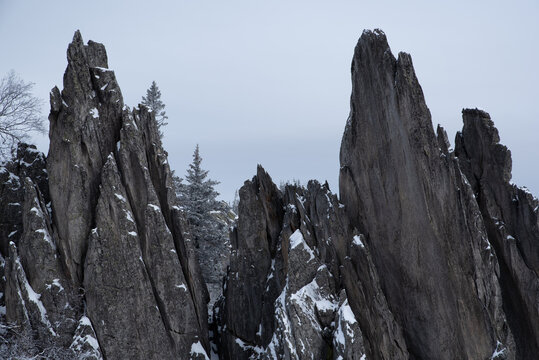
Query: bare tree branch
point(20, 112)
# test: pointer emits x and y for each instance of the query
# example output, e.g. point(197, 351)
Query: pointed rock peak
point(443, 141)
point(77, 37)
point(405, 60)
point(483, 126)
point(75, 49)
point(476, 112)
point(93, 54)
point(373, 35)
point(481, 142)
point(373, 43)
point(262, 174)
point(265, 184)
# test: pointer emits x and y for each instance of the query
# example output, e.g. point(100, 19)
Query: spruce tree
point(153, 101)
point(209, 220)
point(199, 200)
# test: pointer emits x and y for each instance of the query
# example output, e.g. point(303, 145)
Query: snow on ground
point(345, 320)
point(311, 300)
point(120, 197)
point(128, 216)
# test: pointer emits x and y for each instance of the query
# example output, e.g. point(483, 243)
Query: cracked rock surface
point(428, 253)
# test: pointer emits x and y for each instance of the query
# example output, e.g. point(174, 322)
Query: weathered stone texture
point(510, 216)
point(417, 212)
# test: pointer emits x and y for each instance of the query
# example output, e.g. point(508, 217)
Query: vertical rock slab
point(115, 215)
point(85, 121)
point(176, 282)
point(118, 291)
point(28, 162)
point(42, 266)
point(417, 212)
point(39, 298)
point(254, 242)
point(511, 217)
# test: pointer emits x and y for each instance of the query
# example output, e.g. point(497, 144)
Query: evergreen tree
point(198, 197)
point(209, 221)
point(152, 101)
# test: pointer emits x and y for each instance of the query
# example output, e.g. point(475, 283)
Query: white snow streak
point(197, 348)
point(296, 239)
point(357, 241)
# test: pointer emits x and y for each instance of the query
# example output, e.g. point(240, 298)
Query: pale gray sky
point(269, 81)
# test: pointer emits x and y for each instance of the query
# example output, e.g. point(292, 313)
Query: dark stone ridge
point(511, 220)
point(406, 193)
point(429, 256)
point(105, 269)
point(295, 261)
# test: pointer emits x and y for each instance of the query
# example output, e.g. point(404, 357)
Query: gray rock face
point(253, 240)
point(137, 262)
point(430, 254)
point(85, 121)
point(510, 216)
point(111, 273)
point(115, 274)
point(28, 163)
point(420, 219)
point(40, 301)
point(290, 276)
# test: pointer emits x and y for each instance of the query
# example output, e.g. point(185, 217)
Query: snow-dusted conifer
point(198, 197)
point(153, 101)
point(209, 221)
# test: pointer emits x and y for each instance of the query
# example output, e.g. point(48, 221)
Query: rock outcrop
point(41, 305)
point(291, 275)
point(28, 162)
point(105, 269)
point(430, 253)
point(405, 192)
point(511, 220)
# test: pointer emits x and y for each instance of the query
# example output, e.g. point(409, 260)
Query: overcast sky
point(269, 81)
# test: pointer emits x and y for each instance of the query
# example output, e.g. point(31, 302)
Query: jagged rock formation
point(106, 269)
point(40, 302)
point(295, 261)
point(28, 162)
point(511, 220)
point(418, 213)
point(430, 253)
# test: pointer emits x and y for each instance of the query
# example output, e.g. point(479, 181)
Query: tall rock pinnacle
point(418, 213)
point(85, 123)
point(108, 270)
point(511, 217)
